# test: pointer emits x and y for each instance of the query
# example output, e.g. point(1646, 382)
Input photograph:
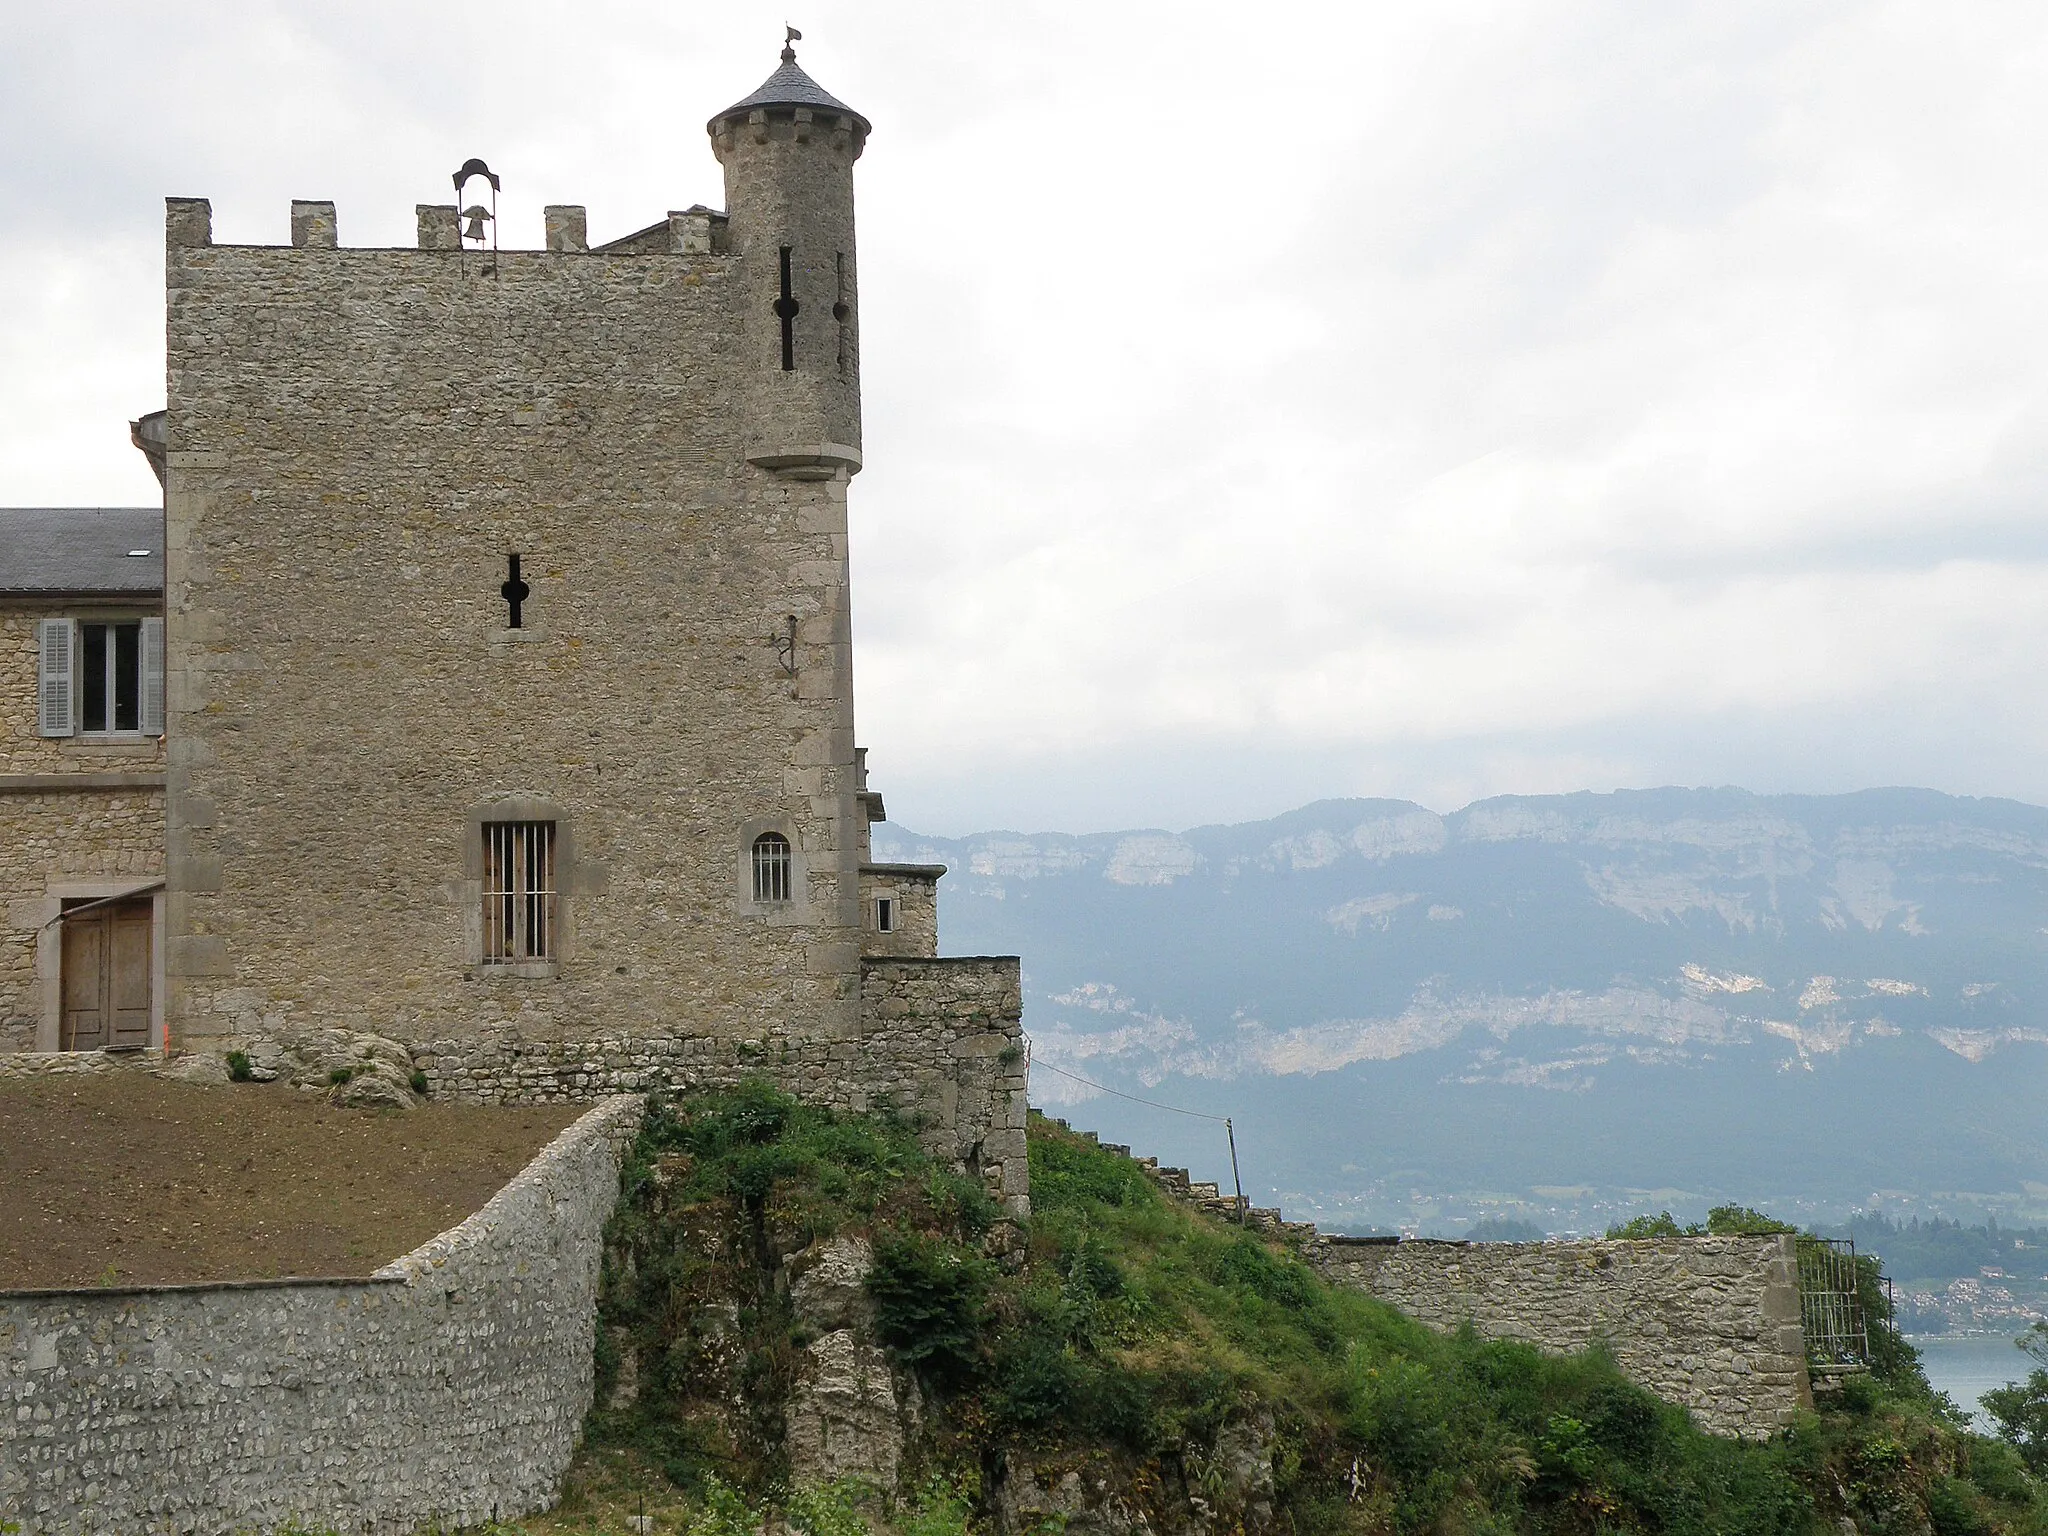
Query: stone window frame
point(776, 914)
point(50, 950)
point(566, 870)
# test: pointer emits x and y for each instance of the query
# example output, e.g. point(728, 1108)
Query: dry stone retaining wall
point(1710, 1323)
point(448, 1387)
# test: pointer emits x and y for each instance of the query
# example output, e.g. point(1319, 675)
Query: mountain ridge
point(1646, 949)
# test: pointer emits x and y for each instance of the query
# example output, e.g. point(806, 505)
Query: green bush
point(1998, 1472)
point(724, 1511)
point(931, 1304)
point(1952, 1510)
point(2020, 1410)
point(942, 1507)
point(238, 1067)
point(419, 1082)
point(832, 1510)
point(1741, 1221)
point(1660, 1225)
point(1133, 1334)
point(1722, 1221)
point(340, 1075)
point(1068, 1174)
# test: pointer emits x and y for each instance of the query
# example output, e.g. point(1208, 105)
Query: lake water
point(1969, 1366)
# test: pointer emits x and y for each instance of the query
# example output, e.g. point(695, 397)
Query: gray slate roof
point(80, 550)
point(789, 86)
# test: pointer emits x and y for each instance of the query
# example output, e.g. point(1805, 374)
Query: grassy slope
point(1138, 1339)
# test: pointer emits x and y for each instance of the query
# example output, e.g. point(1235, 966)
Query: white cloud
point(1425, 401)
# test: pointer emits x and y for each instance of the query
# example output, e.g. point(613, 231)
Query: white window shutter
point(152, 677)
point(55, 650)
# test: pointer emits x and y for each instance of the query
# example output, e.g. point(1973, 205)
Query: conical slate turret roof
point(789, 86)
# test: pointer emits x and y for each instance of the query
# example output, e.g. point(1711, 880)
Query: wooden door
point(128, 973)
point(106, 981)
point(85, 982)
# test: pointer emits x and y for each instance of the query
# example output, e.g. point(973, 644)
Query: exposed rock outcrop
point(843, 1418)
point(846, 1417)
point(354, 1069)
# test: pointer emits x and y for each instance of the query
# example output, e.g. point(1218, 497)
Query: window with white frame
point(771, 867)
point(519, 892)
point(100, 677)
point(885, 914)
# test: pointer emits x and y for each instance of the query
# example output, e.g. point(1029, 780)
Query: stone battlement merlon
point(844, 133)
point(693, 231)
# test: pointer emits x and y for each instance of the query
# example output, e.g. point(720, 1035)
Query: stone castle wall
point(357, 442)
point(914, 891)
point(954, 1057)
point(941, 1043)
point(450, 1388)
point(1709, 1323)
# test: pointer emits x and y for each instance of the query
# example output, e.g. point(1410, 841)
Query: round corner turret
point(788, 151)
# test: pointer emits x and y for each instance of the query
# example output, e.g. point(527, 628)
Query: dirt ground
point(123, 1179)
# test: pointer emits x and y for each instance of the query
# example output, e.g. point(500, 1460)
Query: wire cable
point(1075, 1077)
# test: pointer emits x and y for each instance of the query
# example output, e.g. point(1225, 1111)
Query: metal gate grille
point(1831, 1306)
point(519, 891)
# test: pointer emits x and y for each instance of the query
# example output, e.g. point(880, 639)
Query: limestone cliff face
point(1689, 990)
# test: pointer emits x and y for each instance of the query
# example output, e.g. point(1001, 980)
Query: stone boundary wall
point(22, 1066)
point(1709, 1323)
point(450, 1387)
point(941, 1042)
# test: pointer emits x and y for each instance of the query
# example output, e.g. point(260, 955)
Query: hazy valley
point(1548, 1009)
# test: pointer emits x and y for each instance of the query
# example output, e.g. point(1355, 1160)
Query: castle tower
point(788, 153)
point(511, 692)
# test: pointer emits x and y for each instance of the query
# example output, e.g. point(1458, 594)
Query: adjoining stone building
point(81, 778)
point(506, 646)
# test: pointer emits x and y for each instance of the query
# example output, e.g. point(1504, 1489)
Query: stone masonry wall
point(23, 749)
point(954, 1056)
point(941, 1042)
point(1709, 1323)
point(447, 1389)
point(914, 889)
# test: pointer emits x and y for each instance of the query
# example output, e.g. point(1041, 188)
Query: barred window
point(519, 891)
point(771, 867)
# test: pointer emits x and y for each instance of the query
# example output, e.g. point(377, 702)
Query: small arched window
point(771, 867)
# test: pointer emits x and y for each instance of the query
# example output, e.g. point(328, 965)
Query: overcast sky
point(1263, 403)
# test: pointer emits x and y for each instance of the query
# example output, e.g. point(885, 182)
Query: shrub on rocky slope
point(804, 1319)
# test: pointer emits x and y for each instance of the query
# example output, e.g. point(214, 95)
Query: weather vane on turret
point(790, 37)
